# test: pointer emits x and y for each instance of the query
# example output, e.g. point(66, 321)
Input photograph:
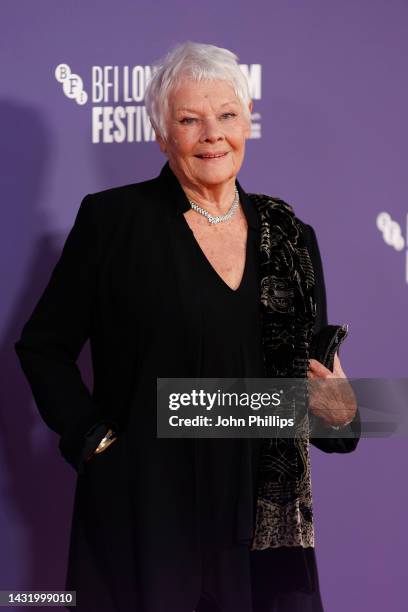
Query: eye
point(228, 115)
point(187, 120)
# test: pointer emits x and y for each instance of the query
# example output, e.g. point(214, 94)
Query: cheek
point(175, 150)
point(239, 143)
point(183, 142)
point(238, 136)
point(245, 128)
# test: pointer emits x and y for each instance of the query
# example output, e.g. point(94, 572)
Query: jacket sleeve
point(334, 442)
point(52, 339)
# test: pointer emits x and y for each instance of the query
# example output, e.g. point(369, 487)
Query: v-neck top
point(232, 340)
point(231, 347)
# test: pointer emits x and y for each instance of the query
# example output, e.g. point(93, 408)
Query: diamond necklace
point(211, 218)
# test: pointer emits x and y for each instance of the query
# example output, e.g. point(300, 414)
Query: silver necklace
point(220, 218)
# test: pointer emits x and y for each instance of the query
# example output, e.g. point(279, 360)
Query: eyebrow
point(190, 110)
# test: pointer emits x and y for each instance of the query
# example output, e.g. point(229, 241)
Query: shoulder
point(268, 204)
point(309, 239)
point(119, 212)
point(133, 195)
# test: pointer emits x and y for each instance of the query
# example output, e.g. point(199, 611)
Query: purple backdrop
point(332, 120)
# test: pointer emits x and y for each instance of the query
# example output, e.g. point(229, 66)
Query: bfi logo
point(72, 84)
point(392, 235)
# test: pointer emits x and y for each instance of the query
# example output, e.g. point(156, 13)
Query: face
point(206, 133)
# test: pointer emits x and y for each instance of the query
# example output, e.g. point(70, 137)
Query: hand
point(333, 401)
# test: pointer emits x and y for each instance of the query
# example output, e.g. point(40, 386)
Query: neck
point(217, 199)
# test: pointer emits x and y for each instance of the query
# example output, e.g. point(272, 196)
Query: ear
point(162, 143)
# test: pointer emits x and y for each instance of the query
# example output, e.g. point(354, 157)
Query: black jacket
point(119, 283)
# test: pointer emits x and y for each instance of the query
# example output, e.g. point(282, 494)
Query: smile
point(211, 155)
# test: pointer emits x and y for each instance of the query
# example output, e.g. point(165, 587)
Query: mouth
point(206, 156)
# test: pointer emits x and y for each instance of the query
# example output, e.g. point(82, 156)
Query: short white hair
point(197, 61)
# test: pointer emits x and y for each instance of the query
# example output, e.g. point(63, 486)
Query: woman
point(185, 275)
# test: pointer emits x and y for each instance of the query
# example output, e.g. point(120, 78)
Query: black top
point(232, 318)
point(231, 347)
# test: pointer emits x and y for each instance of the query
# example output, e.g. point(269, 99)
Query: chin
point(215, 176)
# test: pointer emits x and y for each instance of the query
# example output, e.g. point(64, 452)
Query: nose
point(211, 131)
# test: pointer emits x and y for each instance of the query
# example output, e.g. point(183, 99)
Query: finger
point(318, 368)
point(337, 369)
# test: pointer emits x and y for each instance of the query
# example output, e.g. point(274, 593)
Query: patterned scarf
point(284, 515)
